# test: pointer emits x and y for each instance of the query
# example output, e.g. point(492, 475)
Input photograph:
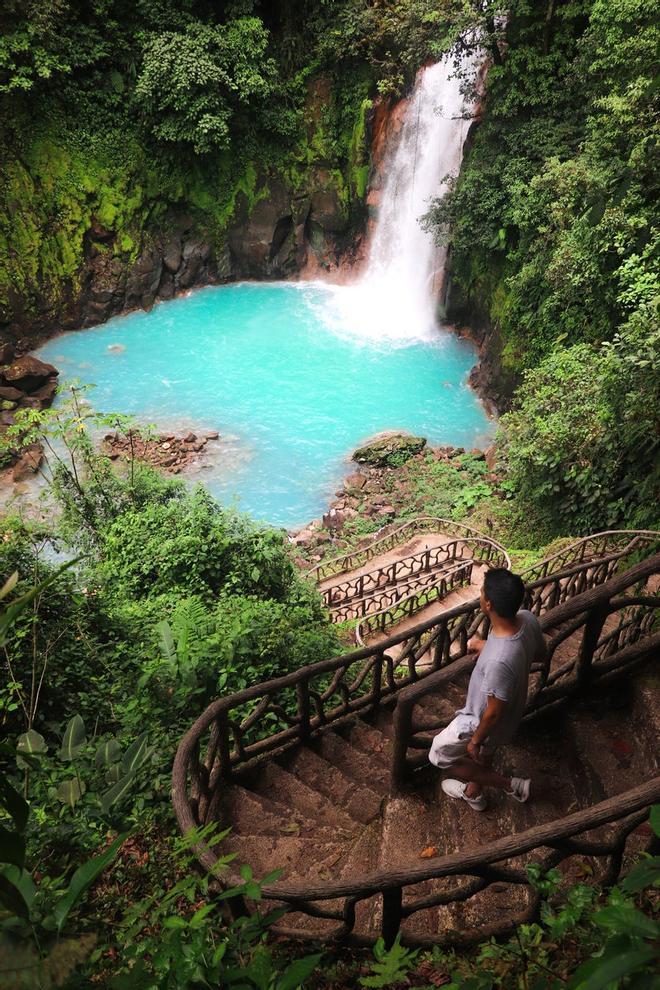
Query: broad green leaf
point(12, 847)
point(626, 918)
point(31, 743)
point(654, 819)
point(73, 740)
point(23, 882)
point(83, 879)
point(113, 775)
point(70, 791)
point(9, 585)
point(108, 752)
point(117, 791)
point(12, 899)
point(645, 874)
point(136, 754)
point(166, 643)
point(13, 803)
point(610, 968)
point(296, 974)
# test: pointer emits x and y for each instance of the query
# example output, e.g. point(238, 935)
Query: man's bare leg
point(478, 775)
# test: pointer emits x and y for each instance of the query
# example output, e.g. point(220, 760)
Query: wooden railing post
point(402, 731)
point(592, 629)
point(302, 694)
point(392, 899)
point(378, 680)
point(222, 721)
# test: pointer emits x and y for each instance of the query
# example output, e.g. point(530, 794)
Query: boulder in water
point(28, 373)
point(391, 450)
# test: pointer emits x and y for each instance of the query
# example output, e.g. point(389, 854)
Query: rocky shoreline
point(166, 451)
point(379, 492)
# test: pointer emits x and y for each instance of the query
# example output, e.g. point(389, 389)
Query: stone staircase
point(323, 811)
point(313, 771)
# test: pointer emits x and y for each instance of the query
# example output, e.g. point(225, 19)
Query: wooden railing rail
point(421, 524)
point(592, 661)
point(621, 541)
point(430, 582)
point(434, 589)
point(398, 572)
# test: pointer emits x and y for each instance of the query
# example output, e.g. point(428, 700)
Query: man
point(496, 695)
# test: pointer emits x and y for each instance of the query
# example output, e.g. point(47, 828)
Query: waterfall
point(395, 298)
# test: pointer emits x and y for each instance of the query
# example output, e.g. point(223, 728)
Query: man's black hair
point(505, 591)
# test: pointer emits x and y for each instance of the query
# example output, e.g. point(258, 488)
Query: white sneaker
point(456, 789)
point(520, 789)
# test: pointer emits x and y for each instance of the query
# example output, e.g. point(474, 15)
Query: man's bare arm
point(491, 717)
point(476, 645)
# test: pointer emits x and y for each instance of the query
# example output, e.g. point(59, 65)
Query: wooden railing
point(614, 631)
point(624, 542)
point(435, 588)
point(463, 876)
point(400, 572)
point(422, 524)
point(445, 577)
point(617, 625)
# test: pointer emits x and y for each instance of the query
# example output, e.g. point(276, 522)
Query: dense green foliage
point(554, 232)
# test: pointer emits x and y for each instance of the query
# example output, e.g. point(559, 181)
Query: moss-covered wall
point(80, 222)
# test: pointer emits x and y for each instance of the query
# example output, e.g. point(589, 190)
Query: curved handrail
point(420, 524)
point(599, 543)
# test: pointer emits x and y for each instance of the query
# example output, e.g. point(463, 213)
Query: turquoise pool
point(291, 383)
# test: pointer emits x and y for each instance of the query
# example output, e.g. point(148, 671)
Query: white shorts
point(450, 745)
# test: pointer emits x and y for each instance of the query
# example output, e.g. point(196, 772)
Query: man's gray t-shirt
point(502, 670)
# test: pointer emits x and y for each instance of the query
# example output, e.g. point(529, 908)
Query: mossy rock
point(392, 450)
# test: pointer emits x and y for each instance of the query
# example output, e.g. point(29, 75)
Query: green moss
point(358, 171)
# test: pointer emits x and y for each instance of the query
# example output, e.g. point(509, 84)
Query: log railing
point(434, 588)
point(422, 524)
point(401, 572)
point(624, 542)
point(616, 624)
point(613, 630)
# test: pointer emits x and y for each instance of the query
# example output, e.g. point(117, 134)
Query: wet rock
point(28, 373)
point(357, 481)
point(10, 394)
point(46, 394)
point(334, 519)
point(391, 450)
point(172, 256)
point(28, 463)
point(210, 434)
point(6, 353)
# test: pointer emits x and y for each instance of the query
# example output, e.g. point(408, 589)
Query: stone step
point(250, 813)
point(289, 789)
point(353, 763)
point(646, 714)
point(358, 800)
point(298, 858)
point(370, 741)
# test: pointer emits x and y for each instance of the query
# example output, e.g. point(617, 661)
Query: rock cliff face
point(274, 238)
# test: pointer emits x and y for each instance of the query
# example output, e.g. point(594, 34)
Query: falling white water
point(396, 297)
